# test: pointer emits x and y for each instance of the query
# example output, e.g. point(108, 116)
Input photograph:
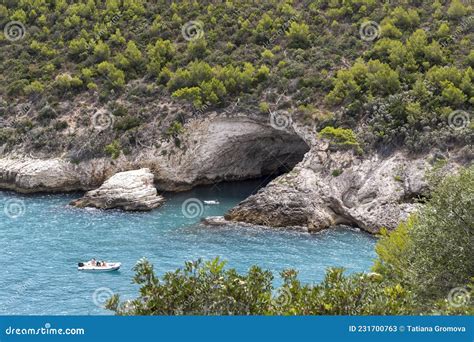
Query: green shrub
point(127, 122)
point(115, 76)
point(66, 81)
point(113, 150)
point(264, 107)
point(298, 35)
point(34, 87)
point(175, 129)
point(60, 125)
point(6, 134)
point(210, 289)
point(101, 51)
point(341, 138)
point(432, 252)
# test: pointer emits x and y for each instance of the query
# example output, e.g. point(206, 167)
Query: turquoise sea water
point(40, 248)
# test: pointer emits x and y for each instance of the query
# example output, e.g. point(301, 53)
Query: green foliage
point(405, 19)
point(127, 122)
point(306, 51)
point(66, 81)
point(264, 107)
point(367, 79)
point(192, 94)
point(432, 252)
point(101, 51)
point(133, 54)
point(197, 48)
point(201, 83)
point(159, 54)
point(457, 9)
point(113, 149)
point(341, 138)
point(115, 76)
point(34, 87)
point(210, 289)
point(298, 35)
point(175, 129)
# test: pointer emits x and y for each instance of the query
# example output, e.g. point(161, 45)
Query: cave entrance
point(230, 149)
point(266, 155)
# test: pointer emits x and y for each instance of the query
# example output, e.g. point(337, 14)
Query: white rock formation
point(130, 190)
point(30, 175)
point(329, 188)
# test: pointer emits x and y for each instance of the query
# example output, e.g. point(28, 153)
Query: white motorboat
point(98, 266)
point(212, 202)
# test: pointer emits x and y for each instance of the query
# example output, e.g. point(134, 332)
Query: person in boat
point(103, 264)
point(93, 262)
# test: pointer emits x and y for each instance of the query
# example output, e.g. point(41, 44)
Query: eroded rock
point(129, 190)
point(28, 175)
point(330, 188)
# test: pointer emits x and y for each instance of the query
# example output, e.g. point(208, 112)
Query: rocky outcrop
point(29, 175)
point(227, 148)
point(329, 188)
point(325, 187)
point(210, 150)
point(130, 190)
point(26, 174)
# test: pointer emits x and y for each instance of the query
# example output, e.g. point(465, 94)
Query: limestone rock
point(28, 175)
point(129, 190)
point(211, 150)
point(330, 188)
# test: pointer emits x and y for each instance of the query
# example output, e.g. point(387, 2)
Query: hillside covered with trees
point(396, 73)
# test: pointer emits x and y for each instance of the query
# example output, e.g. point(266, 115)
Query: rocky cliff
point(211, 150)
point(329, 188)
point(319, 187)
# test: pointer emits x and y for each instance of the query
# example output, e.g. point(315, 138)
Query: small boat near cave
point(98, 266)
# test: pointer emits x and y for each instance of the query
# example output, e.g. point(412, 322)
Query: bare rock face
point(211, 150)
point(320, 187)
point(130, 190)
point(329, 188)
point(28, 175)
point(227, 148)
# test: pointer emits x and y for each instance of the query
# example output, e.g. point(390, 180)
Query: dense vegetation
point(397, 85)
point(425, 266)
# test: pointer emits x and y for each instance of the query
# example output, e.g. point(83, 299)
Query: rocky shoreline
point(319, 187)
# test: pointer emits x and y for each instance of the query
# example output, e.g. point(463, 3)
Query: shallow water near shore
point(39, 249)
